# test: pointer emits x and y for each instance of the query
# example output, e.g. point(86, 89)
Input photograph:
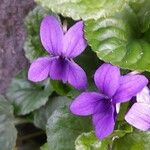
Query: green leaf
point(27, 96)
point(63, 128)
point(73, 93)
point(42, 114)
point(8, 133)
point(44, 147)
point(60, 88)
point(33, 48)
point(85, 9)
point(121, 129)
point(122, 38)
point(141, 8)
point(88, 141)
point(133, 141)
point(88, 57)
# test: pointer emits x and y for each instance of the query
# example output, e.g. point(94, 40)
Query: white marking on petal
point(144, 96)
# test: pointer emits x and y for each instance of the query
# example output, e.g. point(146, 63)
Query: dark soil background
point(12, 37)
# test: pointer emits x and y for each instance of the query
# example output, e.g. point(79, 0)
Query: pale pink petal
point(139, 116)
point(144, 96)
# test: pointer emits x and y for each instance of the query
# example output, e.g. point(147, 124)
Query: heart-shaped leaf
point(8, 133)
point(133, 141)
point(33, 47)
point(85, 9)
point(122, 38)
point(27, 96)
point(88, 141)
point(44, 147)
point(63, 128)
point(43, 114)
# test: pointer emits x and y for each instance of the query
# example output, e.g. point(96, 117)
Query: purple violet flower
point(113, 89)
point(139, 113)
point(62, 49)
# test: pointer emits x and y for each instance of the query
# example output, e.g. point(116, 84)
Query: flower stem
point(65, 26)
point(19, 121)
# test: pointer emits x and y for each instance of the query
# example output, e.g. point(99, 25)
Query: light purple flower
point(139, 113)
point(113, 88)
point(62, 47)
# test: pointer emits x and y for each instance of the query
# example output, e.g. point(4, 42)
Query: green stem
point(65, 26)
point(33, 135)
point(19, 121)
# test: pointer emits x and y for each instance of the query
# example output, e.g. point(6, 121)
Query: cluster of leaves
point(50, 113)
point(45, 104)
point(118, 32)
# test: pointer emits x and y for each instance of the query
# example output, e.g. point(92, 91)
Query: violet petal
point(85, 103)
point(130, 85)
point(51, 35)
point(104, 121)
point(74, 42)
point(76, 76)
point(39, 69)
point(107, 79)
point(59, 69)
